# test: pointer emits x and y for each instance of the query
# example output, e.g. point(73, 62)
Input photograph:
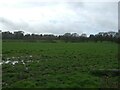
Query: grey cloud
point(31, 4)
point(90, 18)
point(119, 15)
point(76, 5)
point(10, 25)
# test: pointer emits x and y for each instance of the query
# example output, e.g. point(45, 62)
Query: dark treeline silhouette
point(67, 37)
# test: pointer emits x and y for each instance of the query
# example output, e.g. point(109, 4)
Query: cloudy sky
point(59, 17)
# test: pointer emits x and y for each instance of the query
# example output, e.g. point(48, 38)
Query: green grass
point(58, 65)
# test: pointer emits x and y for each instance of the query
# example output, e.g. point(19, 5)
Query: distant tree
point(67, 34)
point(27, 36)
point(75, 35)
point(83, 35)
point(19, 34)
point(0, 34)
point(67, 37)
point(117, 35)
point(91, 37)
point(111, 33)
point(7, 35)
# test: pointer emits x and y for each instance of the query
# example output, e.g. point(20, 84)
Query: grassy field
point(59, 65)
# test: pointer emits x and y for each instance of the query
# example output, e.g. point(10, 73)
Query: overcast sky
point(59, 17)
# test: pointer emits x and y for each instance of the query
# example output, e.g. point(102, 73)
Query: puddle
point(14, 60)
point(7, 62)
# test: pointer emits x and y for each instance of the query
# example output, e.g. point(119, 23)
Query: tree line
point(67, 37)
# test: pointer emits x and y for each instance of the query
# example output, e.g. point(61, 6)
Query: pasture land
point(59, 65)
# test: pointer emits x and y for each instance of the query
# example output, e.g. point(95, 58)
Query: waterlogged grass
point(58, 65)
